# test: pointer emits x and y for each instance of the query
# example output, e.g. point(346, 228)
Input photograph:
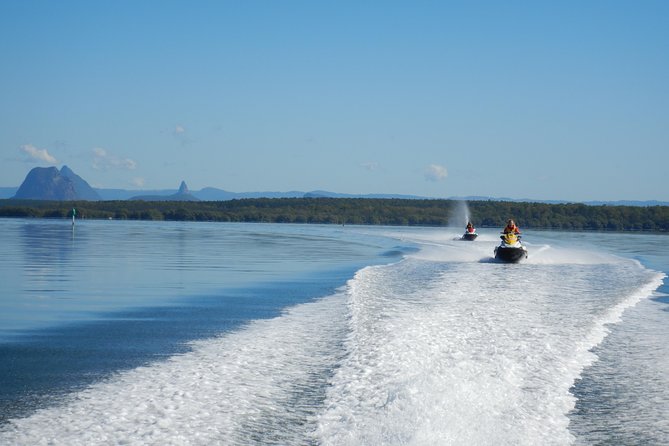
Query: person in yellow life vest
point(511, 228)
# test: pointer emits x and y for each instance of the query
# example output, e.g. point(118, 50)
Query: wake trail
point(260, 385)
point(443, 350)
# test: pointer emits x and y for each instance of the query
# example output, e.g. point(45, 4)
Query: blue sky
point(542, 100)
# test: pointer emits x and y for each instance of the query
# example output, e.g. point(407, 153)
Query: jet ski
point(510, 250)
point(470, 232)
point(470, 236)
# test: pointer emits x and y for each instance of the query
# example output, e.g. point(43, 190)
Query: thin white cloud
point(102, 160)
point(138, 182)
point(38, 154)
point(435, 172)
point(181, 135)
point(370, 166)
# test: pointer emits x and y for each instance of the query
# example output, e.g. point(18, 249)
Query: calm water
point(209, 333)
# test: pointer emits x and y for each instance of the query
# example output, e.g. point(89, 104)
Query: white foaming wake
point(471, 353)
point(630, 374)
point(430, 350)
point(261, 385)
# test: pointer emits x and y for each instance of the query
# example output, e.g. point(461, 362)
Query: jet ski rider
point(511, 228)
point(470, 228)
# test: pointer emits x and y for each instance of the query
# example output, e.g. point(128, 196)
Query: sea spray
point(460, 215)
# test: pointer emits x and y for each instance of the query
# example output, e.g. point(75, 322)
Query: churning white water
point(442, 347)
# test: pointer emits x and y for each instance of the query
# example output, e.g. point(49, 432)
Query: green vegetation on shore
point(401, 212)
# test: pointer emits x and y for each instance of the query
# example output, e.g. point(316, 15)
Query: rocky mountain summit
point(49, 183)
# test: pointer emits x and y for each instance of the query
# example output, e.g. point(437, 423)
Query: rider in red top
point(470, 227)
point(511, 227)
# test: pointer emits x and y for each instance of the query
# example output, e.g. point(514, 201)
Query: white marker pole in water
point(74, 212)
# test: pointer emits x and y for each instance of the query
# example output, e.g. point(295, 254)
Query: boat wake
point(438, 348)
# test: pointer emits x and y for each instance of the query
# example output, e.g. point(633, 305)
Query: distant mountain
point(326, 194)
point(183, 194)
point(83, 190)
point(642, 203)
point(516, 200)
point(46, 183)
point(49, 183)
point(213, 194)
point(627, 203)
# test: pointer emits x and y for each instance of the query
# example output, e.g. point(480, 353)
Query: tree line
point(365, 211)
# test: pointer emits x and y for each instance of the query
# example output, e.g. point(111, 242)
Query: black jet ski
point(510, 250)
point(470, 236)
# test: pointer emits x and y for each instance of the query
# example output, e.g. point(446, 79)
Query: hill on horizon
point(49, 183)
point(183, 194)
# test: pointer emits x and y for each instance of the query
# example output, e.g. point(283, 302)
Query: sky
point(564, 100)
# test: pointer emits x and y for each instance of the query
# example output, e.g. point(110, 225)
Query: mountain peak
point(48, 183)
point(83, 190)
point(183, 189)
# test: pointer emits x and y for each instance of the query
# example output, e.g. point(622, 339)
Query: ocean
point(185, 333)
